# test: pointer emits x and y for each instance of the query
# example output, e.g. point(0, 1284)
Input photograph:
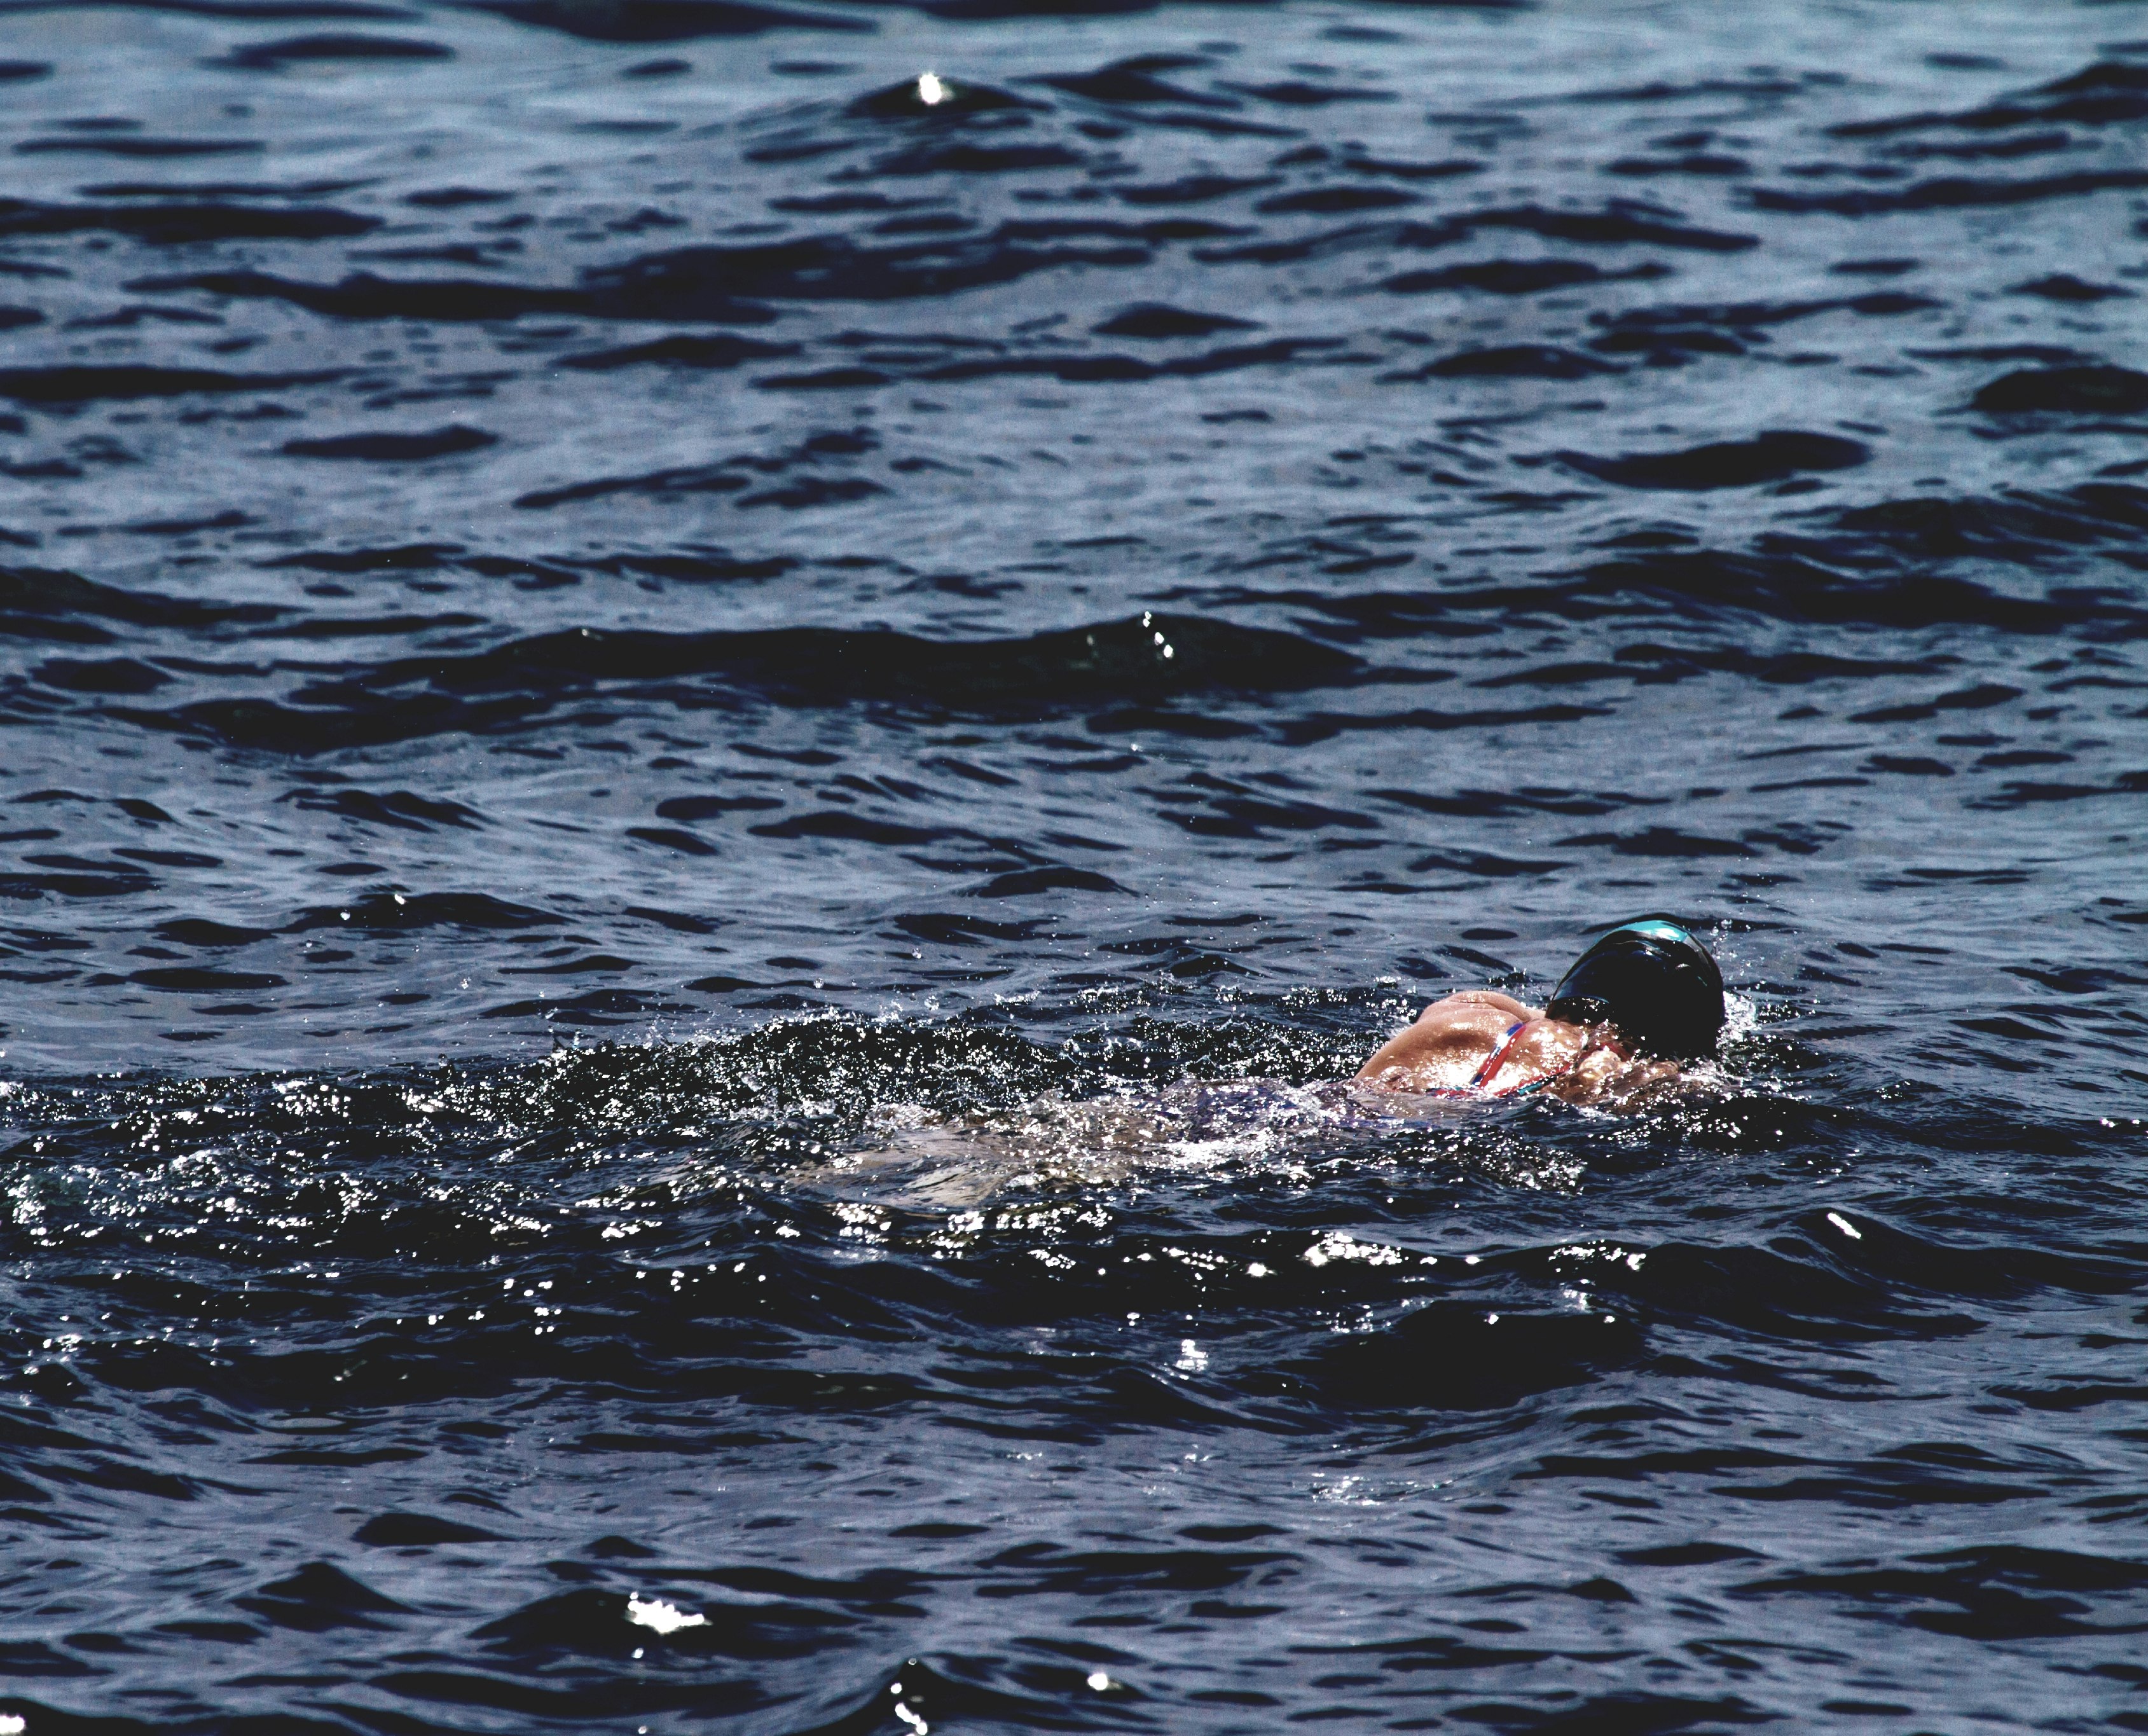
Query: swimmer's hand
point(1608, 1078)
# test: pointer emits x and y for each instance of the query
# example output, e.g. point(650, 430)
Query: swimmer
point(1621, 1030)
point(1645, 999)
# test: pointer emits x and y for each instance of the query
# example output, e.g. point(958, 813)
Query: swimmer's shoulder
point(1466, 1001)
point(1449, 1038)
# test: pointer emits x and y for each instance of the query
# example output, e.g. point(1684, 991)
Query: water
point(708, 767)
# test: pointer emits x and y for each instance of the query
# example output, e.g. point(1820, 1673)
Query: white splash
point(931, 90)
point(1342, 1245)
point(664, 1618)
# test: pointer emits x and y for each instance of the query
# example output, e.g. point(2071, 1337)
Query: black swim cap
point(1652, 980)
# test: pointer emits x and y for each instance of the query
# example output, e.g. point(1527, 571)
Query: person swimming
point(1643, 1001)
point(1631, 1010)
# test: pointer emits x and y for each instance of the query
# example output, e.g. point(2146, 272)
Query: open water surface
point(706, 766)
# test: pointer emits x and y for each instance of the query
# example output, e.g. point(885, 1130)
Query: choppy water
point(705, 766)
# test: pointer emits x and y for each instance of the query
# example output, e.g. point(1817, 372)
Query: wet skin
point(1452, 1038)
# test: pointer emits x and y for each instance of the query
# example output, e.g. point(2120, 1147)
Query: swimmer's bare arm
point(1451, 1036)
point(1447, 1033)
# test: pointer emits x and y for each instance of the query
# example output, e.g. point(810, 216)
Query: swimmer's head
point(1653, 981)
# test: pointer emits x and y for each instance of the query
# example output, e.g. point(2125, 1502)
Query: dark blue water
point(705, 765)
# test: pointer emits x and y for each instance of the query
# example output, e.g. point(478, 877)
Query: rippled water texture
point(711, 751)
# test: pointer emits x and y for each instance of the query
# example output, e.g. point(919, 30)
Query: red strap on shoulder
point(1497, 1058)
